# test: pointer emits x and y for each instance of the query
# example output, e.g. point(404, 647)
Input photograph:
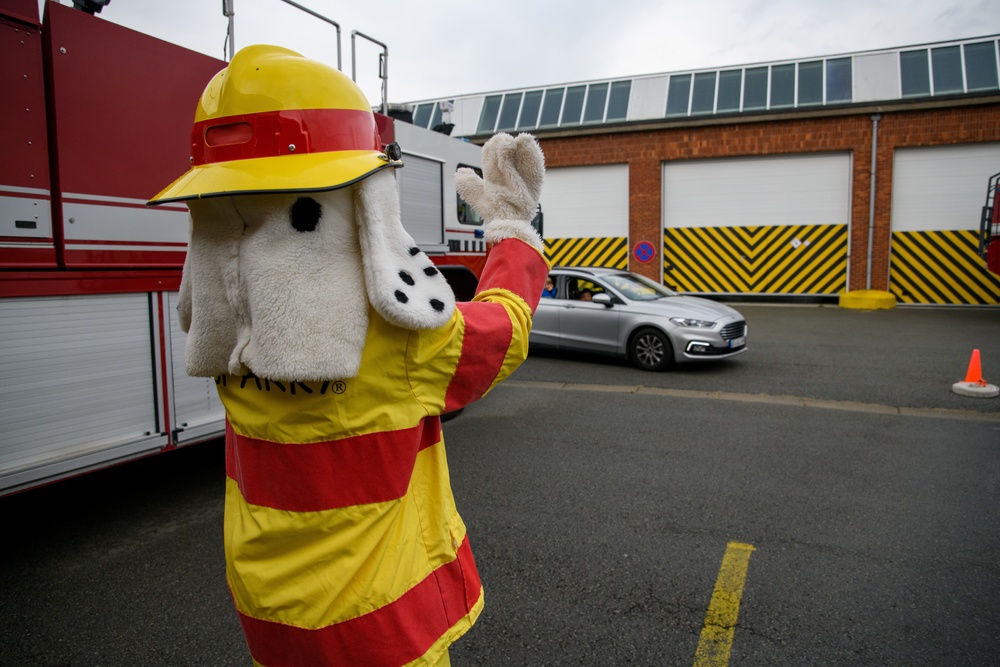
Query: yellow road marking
point(720, 622)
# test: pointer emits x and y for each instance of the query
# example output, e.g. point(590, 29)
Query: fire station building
point(785, 180)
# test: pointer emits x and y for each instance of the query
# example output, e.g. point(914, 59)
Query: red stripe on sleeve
point(309, 477)
point(395, 634)
point(515, 266)
point(484, 347)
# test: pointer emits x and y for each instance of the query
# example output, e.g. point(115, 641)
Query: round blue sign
point(643, 251)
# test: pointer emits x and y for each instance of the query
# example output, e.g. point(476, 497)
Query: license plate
point(738, 342)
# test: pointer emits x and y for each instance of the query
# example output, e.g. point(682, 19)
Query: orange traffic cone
point(974, 384)
point(975, 373)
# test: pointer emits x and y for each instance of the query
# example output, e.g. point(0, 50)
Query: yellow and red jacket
point(343, 543)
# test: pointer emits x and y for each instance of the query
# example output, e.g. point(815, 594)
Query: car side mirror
point(603, 298)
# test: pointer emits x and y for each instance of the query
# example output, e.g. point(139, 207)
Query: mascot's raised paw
point(507, 195)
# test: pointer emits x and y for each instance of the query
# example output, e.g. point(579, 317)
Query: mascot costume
point(336, 345)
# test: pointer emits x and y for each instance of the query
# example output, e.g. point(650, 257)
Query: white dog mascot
point(336, 345)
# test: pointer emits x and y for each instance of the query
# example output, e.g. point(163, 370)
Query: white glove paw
point(507, 195)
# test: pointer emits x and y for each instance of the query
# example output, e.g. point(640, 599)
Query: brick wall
point(645, 151)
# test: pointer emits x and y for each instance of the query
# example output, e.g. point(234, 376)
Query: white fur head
point(282, 283)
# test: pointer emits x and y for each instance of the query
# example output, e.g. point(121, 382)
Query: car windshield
point(638, 288)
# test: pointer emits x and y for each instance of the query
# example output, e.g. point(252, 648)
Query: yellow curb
point(867, 299)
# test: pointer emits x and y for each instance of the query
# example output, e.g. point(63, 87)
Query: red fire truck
point(989, 226)
point(95, 119)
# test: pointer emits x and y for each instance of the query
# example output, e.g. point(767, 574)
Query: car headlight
point(692, 323)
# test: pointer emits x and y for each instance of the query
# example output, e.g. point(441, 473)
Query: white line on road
point(800, 401)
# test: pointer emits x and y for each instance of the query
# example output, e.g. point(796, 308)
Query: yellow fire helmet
point(275, 121)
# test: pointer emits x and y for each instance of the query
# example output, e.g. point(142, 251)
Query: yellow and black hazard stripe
point(608, 252)
point(942, 267)
point(791, 259)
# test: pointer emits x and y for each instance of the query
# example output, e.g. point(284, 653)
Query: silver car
point(624, 314)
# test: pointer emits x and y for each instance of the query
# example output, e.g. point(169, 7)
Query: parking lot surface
point(905, 357)
point(601, 501)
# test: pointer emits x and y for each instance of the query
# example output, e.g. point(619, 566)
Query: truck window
point(466, 214)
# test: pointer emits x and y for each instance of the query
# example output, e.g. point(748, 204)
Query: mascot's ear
point(184, 297)
point(403, 285)
point(209, 287)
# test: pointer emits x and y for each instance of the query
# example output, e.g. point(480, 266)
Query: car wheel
point(650, 350)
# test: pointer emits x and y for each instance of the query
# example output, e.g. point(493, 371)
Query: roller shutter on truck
point(421, 192)
point(75, 396)
point(757, 225)
point(937, 198)
point(197, 410)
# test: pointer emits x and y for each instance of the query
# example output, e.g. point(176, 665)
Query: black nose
point(305, 214)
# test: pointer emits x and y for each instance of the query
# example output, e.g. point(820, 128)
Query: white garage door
point(581, 202)
point(586, 215)
point(760, 225)
point(758, 191)
point(942, 187)
point(937, 199)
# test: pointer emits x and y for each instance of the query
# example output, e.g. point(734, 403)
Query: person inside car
point(550, 289)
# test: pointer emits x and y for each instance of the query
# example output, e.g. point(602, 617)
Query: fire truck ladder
point(989, 227)
point(229, 11)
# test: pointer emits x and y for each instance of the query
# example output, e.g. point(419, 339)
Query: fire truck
point(95, 119)
point(989, 226)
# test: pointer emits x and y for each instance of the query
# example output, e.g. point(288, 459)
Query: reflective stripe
point(484, 349)
point(309, 477)
point(495, 340)
point(521, 271)
point(446, 603)
point(313, 569)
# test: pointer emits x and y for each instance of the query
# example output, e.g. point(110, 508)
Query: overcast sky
point(445, 49)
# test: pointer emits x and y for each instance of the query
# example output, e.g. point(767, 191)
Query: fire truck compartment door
point(421, 199)
point(197, 410)
point(75, 397)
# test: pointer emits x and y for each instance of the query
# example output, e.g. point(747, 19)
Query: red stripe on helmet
point(288, 132)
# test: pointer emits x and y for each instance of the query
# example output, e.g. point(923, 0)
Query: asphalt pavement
point(600, 501)
point(904, 357)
